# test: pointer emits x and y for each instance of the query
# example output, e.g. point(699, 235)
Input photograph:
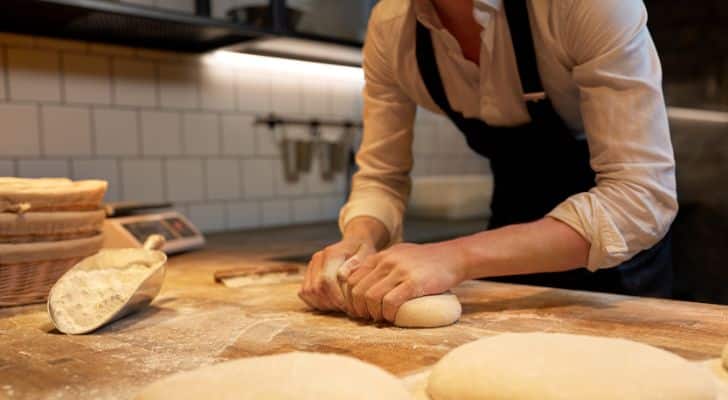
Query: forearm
point(369, 230)
point(546, 245)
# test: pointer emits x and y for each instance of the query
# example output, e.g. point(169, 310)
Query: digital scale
point(132, 230)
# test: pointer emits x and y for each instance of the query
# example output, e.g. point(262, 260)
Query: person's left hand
point(382, 282)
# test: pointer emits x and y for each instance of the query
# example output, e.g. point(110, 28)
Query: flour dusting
point(85, 298)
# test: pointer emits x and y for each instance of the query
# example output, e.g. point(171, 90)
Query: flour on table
point(530, 366)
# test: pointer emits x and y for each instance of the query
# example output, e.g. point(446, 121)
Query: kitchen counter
point(196, 322)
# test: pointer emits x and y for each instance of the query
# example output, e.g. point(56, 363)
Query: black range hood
point(120, 23)
point(141, 26)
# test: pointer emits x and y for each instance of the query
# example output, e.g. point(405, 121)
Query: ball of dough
point(429, 311)
point(290, 376)
point(725, 357)
point(546, 366)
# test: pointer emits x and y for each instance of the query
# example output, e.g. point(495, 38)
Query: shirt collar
point(488, 5)
point(427, 15)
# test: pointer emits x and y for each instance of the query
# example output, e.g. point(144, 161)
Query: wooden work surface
point(197, 322)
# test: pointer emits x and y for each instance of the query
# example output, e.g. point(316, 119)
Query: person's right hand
point(321, 289)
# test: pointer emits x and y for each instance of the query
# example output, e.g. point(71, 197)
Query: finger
point(306, 292)
point(359, 291)
point(395, 298)
point(347, 268)
point(375, 295)
point(355, 261)
point(361, 271)
point(349, 286)
point(305, 300)
point(317, 294)
point(329, 281)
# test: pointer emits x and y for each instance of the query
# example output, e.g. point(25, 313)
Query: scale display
point(132, 231)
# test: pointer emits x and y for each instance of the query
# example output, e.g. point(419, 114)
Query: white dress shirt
point(599, 68)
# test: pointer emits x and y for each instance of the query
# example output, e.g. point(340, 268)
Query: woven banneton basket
point(29, 270)
point(29, 283)
point(46, 227)
point(49, 226)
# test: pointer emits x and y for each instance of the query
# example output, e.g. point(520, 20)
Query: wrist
point(367, 231)
point(462, 267)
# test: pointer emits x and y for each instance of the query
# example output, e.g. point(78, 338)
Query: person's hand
point(321, 289)
point(383, 281)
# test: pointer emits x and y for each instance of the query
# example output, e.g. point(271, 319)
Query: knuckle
point(371, 296)
point(390, 300)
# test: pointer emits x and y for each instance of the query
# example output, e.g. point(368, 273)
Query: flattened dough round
point(429, 311)
point(530, 366)
point(290, 376)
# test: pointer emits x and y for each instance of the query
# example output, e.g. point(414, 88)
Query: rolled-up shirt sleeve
point(618, 73)
point(381, 187)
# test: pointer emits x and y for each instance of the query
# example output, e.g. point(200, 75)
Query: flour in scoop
point(87, 297)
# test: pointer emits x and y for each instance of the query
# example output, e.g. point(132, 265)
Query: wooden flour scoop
point(107, 286)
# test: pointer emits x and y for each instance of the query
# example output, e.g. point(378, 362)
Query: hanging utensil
point(305, 149)
point(289, 155)
point(329, 137)
point(340, 157)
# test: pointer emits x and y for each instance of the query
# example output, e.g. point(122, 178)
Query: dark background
point(692, 39)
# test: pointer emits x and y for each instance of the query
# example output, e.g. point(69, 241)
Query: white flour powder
point(85, 298)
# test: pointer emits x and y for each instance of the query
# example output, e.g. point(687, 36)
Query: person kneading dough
point(564, 98)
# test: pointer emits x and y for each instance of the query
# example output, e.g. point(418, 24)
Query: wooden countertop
point(196, 322)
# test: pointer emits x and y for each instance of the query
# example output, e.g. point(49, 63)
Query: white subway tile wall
point(66, 131)
point(20, 131)
point(223, 179)
point(276, 212)
point(3, 90)
point(243, 215)
point(106, 169)
point(7, 168)
point(86, 79)
point(209, 217)
point(142, 180)
point(34, 74)
point(116, 132)
point(185, 180)
point(43, 168)
point(134, 82)
point(163, 126)
point(161, 133)
point(178, 85)
point(201, 134)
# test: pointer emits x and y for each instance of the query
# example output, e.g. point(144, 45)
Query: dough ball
point(290, 376)
point(530, 366)
point(725, 357)
point(429, 311)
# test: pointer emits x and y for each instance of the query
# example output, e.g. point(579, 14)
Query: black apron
point(538, 165)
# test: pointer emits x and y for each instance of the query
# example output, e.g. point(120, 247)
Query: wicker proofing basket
point(49, 226)
point(46, 226)
point(28, 270)
point(29, 283)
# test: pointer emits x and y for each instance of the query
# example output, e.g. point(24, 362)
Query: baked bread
point(20, 195)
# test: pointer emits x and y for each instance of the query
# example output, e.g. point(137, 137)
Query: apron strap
point(520, 29)
point(429, 73)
